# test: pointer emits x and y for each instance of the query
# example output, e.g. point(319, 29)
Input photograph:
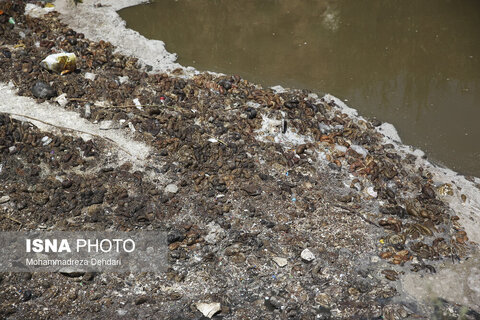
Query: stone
point(273, 303)
point(62, 100)
point(208, 309)
point(43, 90)
point(281, 262)
point(4, 199)
point(307, 255)
point(252, 190)
point(71, 272)
point(141, 300)
point(171, 188)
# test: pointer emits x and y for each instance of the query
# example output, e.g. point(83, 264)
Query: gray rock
point(4, 199)
point(43, 91)
point(281, 262)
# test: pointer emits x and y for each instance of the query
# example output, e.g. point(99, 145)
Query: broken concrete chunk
point(208, 309)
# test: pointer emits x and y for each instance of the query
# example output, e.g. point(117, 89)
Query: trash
point(62, 99)
point(1, 12)
point(46, 140)
point(49, 5)
point(307, 255)
point(137, 104)
point(11, 20)
point(208, 309)
point(60, 62)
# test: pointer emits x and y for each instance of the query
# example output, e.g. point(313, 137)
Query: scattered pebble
point(208, 309)
point(281, 262)
point(307, 255)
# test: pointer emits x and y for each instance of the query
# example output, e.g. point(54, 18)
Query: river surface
point(414, 63)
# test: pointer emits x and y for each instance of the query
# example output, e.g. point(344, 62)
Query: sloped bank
point(262, 175)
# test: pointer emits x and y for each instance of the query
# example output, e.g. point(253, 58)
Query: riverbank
point(369, 209)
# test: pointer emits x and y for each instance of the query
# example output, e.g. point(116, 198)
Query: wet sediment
point(259, 175)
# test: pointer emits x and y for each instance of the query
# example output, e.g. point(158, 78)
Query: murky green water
point(413, 63)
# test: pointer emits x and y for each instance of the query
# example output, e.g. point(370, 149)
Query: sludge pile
point(241, 200)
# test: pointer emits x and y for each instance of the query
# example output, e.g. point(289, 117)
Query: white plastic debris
point(281, 262)
point(90, 76)
point(60, 62)
point(62, 99)
point(307, 255)
point(208, 309)
point(137, 103)
point(46, 140)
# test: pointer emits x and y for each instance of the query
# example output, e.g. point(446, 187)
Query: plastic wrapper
point(60, 62)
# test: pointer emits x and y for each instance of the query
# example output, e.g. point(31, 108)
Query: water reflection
point(415, 64)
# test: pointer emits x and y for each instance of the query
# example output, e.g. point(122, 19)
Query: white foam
point(389, 131)
point(272, 128)
point(345, 109)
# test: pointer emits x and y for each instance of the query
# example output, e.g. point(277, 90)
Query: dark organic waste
point(240, 208)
